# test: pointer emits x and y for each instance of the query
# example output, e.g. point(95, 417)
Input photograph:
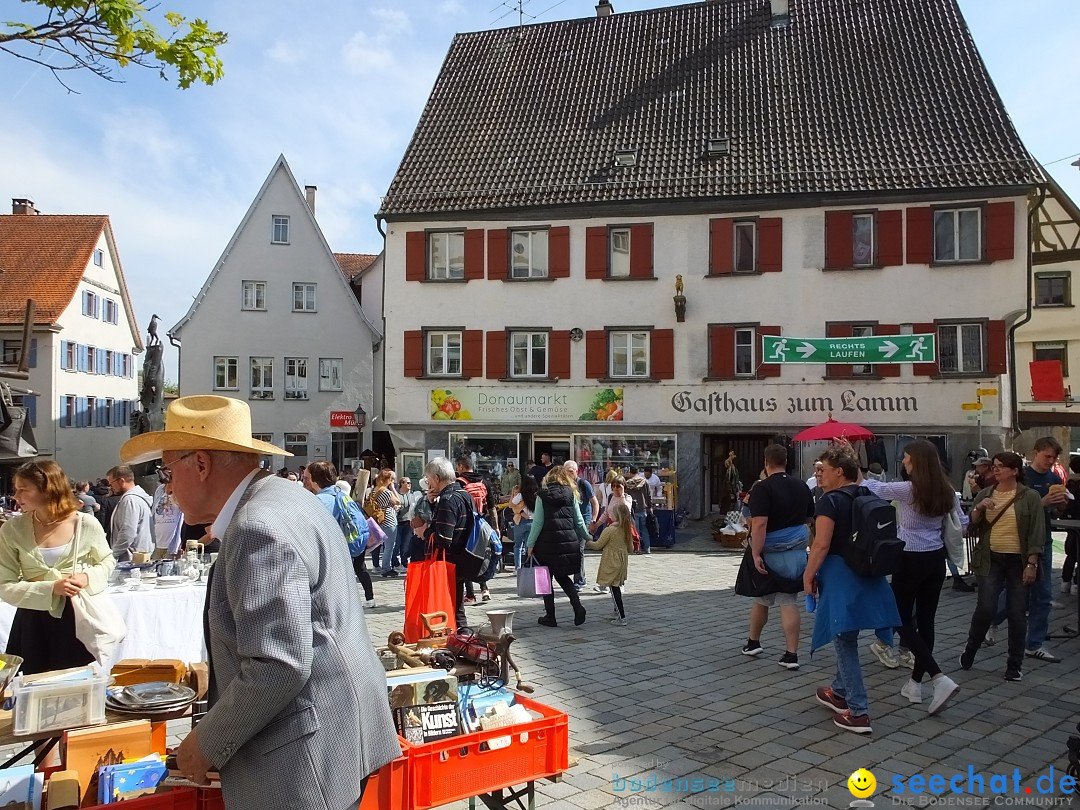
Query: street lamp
point(361, 417)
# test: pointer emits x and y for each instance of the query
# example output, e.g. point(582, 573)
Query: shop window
point(1052, 290)
point(596, 454)
point(1058, 350)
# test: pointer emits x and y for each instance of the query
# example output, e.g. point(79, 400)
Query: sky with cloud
point(337, 87)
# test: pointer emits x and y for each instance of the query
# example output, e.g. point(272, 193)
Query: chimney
point(23, 205)
point(604, 9)
point(309, 191)
point(779, 10)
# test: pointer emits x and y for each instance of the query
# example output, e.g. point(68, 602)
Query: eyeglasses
point(165, 472)
point(1000, 467)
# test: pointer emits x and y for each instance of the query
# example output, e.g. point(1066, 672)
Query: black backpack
point(874, 549)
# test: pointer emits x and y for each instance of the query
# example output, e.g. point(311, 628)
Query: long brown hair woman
point(47, 555)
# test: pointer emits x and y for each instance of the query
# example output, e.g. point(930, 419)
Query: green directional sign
point(879, 349)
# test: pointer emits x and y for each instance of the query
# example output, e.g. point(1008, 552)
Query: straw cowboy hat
point(200, 423)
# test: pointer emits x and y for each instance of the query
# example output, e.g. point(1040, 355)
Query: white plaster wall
point(219, 327)
point(800, 299)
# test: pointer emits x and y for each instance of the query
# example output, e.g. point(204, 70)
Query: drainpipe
point(381, 409)
point(1033, 212)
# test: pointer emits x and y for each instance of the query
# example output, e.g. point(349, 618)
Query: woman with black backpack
point(554, 539)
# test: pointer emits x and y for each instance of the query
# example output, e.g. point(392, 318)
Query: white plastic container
point(48, 705)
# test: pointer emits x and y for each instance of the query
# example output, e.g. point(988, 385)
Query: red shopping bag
point(429, 588)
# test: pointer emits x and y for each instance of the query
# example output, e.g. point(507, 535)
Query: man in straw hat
point(298, 713)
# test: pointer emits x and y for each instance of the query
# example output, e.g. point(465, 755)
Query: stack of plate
point(149, 698)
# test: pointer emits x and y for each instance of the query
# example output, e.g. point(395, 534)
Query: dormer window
point(717, 147)
point(626, 158)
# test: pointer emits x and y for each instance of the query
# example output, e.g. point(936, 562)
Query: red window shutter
point(474, 254)
point(596, 364)
point(1000, 225)
point(641, 251)
point(722, 352)
point(472, 353)
point(924, 369)
point(496, 355)
point(596, 252)
point(559, 354)
point(662, 354)
point(920, 235)
point(837, 330)
point(721, 247)
point(996, 347)
point(890, 238)
point(771, 244)
point(767, 369)
point(498, 254)
point(414, 353)
point(839, 241)
point(559, 252)
point(887, 369)
point(415, 256)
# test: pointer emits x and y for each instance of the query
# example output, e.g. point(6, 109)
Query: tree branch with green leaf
point(102, 35)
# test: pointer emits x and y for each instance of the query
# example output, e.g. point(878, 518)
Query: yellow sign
point(971, 406)
point(986, 392)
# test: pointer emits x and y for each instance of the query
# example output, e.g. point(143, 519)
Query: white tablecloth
point(161, 622)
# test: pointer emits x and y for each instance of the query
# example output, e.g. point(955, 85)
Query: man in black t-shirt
point(780, 509)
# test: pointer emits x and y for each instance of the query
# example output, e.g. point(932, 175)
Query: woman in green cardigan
point(1012, 530)
point(48, 554)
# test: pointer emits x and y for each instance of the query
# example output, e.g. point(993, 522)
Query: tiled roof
point(43, 257)
point(353, 264)
point(850, 96)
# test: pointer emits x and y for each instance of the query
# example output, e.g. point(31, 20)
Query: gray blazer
point(299, 713)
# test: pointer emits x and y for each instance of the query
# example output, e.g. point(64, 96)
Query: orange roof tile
point(353, 264)
point(43, 257)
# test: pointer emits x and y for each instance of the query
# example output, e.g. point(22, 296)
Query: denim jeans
point(403, 543)
point(639, 524)
point(1006, 573)
point(521, 534)
point(849, 683)
point(390, 548)
point(1040, 598)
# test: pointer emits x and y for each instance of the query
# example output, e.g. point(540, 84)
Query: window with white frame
point(69, 413)
point(444, 354)
point(110, 363)
point(958, 235)
point(262, 377)
point(330, 377)
point(960, 348)
point(107, 413)
point(254, 295)
point(280, 230)
point(303, 296)
point(296, 378)
point(91, 304)
point(1057, 350)
point(72, 357)
point(862, 369)
point(745, 245)
point(92, 419)
point(226, 373)
point(629, 354)
point(745, 365)
point(446, 255)
point(1052, 290)
point(99, 257)
point(263, 437)
point(862, 240)
point(528, 354)
point(296, 443)
point(528, 254)
point(619, 255)
point(91, 360)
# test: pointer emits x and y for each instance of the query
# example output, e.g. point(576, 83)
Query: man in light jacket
point(131, 526)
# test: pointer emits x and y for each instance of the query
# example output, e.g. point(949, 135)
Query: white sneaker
point(991, 636)
point(906, 658)
point(944, 688)
point(370, 603)
point(600, 588)
point(912, 690)
point(619, 622)
point(1043, 654)
point(885, 654)
point(1066, 587)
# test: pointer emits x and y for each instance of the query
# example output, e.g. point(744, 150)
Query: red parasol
point(831, 429)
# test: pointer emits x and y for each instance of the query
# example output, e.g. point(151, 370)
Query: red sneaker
point(860, 723)
point(827, 697)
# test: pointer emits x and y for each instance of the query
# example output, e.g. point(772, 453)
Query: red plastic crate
point(456, 768)
point(388, 787)
point(210, 799)
point(181, 798)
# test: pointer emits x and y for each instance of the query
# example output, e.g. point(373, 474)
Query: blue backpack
point(352, 521)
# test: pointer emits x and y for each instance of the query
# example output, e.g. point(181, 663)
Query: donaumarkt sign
point(881, 349)
point(527, 404)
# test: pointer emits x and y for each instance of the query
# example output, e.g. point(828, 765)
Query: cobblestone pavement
point(670, 696)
